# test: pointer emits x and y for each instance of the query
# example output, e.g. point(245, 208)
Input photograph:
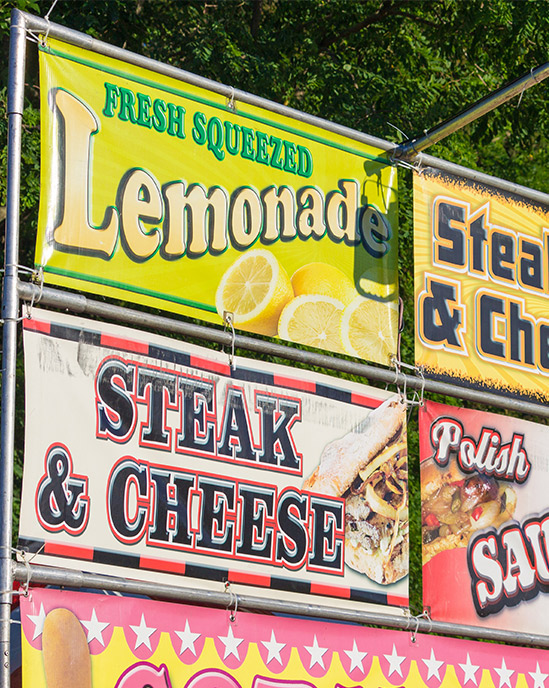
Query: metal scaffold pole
point(10, 312)
point(414, 146)
point(82, 305)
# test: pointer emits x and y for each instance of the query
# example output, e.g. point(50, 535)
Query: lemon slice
point(255, 289)
point(369, 329)
point(324, 279)
point(313, 320)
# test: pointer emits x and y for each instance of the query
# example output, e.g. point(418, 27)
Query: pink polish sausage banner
point(485, 518)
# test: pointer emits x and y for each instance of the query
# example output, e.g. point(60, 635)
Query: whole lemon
point(325, 280)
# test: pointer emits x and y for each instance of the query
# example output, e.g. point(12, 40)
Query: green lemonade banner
point(163, 193)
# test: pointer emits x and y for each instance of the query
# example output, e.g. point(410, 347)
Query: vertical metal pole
point(10, 313)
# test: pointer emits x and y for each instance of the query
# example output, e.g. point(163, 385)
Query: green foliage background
point(389, 68)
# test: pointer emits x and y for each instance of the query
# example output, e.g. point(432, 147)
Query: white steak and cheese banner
point(155, 459)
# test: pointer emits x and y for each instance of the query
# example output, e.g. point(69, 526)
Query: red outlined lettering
point(241, 520)
point(62, 502)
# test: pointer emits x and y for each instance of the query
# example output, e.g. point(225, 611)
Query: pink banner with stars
point(82, 640)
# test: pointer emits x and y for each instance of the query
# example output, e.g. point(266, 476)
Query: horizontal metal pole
point(37, 24)
point(80, 304)
point(46, 575)
point(82, 40)
point(424, 160)
point(481, 107)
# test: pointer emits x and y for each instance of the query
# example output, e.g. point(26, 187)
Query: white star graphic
point(356, 657)
point(538, 676)
point(231, 644)
point(394, 662)
point(143, 633)
point(433, 664)
point(38, 621)
point(504, 674)
point(316, 653)
point(469, 671)
point(188, 639)
point(274, 648)
point(95, 628)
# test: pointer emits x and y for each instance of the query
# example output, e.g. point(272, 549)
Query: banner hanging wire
point(228, 320)
point(232, 606)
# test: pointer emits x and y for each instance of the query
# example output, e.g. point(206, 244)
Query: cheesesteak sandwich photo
point(368, 467)
point(455, 504)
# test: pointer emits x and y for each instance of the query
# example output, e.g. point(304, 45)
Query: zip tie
point(37, 275)
point(228, 320)
point(47, 17)
point(423, 615)
point(233, 600)
point(23, 557)
point(230, 99)
point(47, 20)
point(397, 161)
point(406, 137)
point(395, 358)
point(403, 396)
point(427, 614)
point(23, 593)
point(20, 268)
point(417, 166)
point(417, 398)
point(414, 632)
point(24, 553)
point(31, 36)
point(397, 363)
point(400, 325)
point(534, 77)
point(521, 94)
point(403, 163)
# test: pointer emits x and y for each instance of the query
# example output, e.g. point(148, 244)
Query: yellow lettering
point(140, 201)
point(310, 216)
point(75, 233)
point(341, 212)
point(279, 220)
point(245, 218)
point(190, 216)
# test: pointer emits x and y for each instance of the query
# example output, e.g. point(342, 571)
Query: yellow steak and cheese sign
point(164, 193)
point(481, 258)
